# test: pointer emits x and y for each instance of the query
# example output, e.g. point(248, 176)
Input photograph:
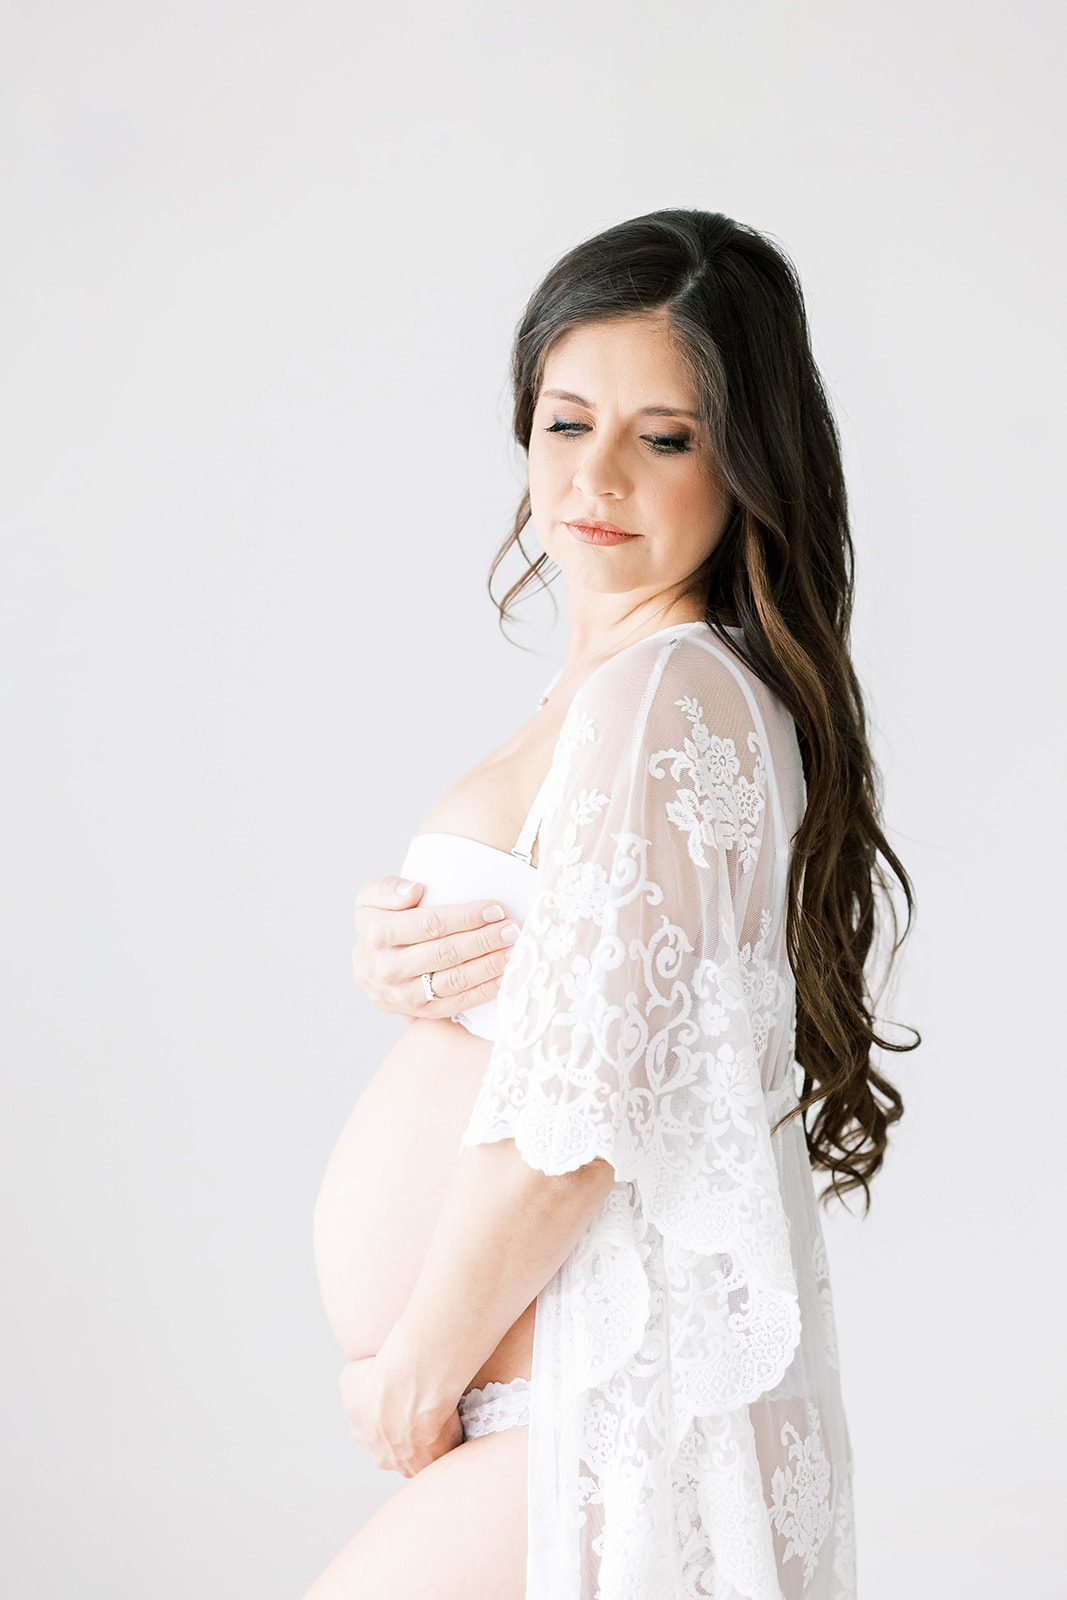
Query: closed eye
point(670, 444)
point(674, 444)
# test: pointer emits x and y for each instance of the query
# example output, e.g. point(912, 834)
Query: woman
point(568, 1239)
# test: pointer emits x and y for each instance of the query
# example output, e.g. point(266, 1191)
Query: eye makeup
point(674, 444)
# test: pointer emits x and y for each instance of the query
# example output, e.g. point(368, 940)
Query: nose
point(600, 473)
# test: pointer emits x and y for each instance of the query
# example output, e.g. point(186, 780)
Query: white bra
point(453, 868)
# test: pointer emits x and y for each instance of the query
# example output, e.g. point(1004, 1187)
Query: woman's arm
point(505, 1230)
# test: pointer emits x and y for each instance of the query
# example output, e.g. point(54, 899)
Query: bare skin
point(468, 1506)
point(394, 1170)
point(429, 1262)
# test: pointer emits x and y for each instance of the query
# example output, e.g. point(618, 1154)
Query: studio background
point(261, 271)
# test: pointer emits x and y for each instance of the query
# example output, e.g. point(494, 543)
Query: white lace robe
point(686, 1435)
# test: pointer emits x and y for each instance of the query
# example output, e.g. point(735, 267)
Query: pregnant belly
point(386, 1182)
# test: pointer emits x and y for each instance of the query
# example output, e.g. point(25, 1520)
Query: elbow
point(588, 1183)
point(600, 1174)
point(594, 1178)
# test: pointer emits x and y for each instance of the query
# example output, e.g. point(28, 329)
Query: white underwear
point(497, 1406)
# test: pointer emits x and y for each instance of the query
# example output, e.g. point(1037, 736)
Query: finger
point(479, 996)
point(455, 988)
point(464, 960)
point(413, 999)
point(463, 984)
point(458, 964)
point(418, 1460)
point(422, 924)
point(389, 893)
point(450, 1436)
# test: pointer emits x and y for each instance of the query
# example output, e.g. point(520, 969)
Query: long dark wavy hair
point(783, 572)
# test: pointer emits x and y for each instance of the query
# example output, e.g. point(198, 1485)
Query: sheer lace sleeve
point(636, 1008)
point(647, 1016)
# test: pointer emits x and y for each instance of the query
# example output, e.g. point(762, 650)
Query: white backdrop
point(261, 268)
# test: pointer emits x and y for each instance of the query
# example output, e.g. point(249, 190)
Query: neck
point(593, 641)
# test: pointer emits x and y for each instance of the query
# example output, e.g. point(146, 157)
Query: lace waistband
point(497, 1406)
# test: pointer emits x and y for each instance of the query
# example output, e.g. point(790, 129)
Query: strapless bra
point(453, 868)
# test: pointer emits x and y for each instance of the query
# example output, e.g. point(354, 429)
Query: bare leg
point(456, 1531)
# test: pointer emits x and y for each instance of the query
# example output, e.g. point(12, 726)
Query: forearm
point(504, 1231)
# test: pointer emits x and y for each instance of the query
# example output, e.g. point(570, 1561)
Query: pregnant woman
point(568, 1239)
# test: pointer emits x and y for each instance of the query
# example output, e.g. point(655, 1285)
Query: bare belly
point(384, 1186)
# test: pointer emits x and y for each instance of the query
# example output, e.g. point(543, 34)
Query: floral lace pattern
point(800, 1494)
point(646, 1017)
point(722, 807)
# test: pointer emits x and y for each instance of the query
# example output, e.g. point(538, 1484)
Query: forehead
point(629, 360)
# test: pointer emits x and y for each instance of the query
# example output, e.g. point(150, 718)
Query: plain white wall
point(262, 264)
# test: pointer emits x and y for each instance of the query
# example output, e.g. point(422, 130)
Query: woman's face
point(616, 440)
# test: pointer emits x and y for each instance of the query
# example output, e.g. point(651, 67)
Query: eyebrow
point(646, 411)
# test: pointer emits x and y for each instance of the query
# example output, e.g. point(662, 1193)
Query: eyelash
point(664, 444)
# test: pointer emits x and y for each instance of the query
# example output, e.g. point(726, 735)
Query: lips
point(599, 532)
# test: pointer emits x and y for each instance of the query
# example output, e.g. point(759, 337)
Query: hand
point(383, 1417)
point(396, 942)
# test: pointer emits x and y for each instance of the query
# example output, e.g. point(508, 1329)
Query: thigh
point(456, 1531)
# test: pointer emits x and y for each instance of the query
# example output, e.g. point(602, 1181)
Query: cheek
point(549, 479)
point(691, 501)
point(702, 492)
point(541, 455)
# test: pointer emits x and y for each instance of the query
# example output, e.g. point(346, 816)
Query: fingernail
point(492, 913)
point(509, 932)
point(405, 886)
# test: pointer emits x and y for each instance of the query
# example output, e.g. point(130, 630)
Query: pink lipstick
point(599, 532)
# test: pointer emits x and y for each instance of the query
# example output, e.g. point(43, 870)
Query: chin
point(586, 577)
point(590, 560)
